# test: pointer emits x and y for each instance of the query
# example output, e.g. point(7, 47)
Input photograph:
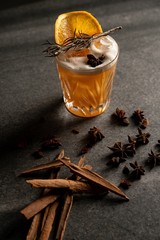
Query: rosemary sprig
point(76, 42)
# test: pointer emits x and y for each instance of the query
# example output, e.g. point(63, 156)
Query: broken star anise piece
point(137, 171)
point(85, 149)
point(153, 159)
point(124, 183)
point(95, 135)
point(38, 154)
point(142, 138)
point(130, 147)
point(119, 150)
point(51, 143)
point(140, 119)
point(125, 170)
point(120, 116)
point(115, 161)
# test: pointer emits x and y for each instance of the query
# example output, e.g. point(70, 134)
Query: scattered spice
point(36, 206)
point(140, 119)
point(153, 159)
point(95, 135)
point(51, 143)
point(131, 146)
point(93, 61)
point(115, 161)
point(125, 170)
point(46, 230)
point(137, 171)
point(38, 154)
point(82, 180)
point(119, 150)
point(142, 138)
point(120, 116)
point(94, 178)
point(75, 131)
point(65, 211)
point(34, 228)
point(124, 183)
point(86, 148)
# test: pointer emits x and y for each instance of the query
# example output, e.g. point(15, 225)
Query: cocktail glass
point(86, 89)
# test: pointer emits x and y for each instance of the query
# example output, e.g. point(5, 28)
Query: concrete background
point(32, 108)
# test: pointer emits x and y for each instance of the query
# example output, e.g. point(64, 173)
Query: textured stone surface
point(32, 107)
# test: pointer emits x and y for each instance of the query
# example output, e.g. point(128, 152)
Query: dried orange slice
point(68, 24)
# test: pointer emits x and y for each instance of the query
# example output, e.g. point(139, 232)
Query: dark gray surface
point(31, 108)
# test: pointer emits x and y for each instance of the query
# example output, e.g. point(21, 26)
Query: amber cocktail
point(87, 89)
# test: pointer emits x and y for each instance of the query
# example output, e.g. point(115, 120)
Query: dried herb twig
point(76, 42)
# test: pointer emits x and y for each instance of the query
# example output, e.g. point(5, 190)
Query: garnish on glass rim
point(76, 42)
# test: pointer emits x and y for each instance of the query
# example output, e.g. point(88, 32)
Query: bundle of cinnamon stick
point(49, 213)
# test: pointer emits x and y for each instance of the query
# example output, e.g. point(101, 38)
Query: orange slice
point(68, 24)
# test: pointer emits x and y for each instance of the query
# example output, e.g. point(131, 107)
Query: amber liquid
point(86, 94)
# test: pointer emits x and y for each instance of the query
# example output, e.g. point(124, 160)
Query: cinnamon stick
point(45, 166)
point(75, 186)
point(52, 176)
point(33, 230)
point(94, 178)
point(49, 221)
point(37, 205)
point(67, 205)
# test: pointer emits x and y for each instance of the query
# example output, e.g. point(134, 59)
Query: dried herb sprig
point(76, 42)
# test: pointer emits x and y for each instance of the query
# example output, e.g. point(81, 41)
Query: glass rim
point(100, 68)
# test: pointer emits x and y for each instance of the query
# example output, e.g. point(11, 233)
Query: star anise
point(51, 143)
point(137, 171)
point(85, 149)
point(95, 135)
point(93, 61)
point(119, 150)
point(131, 146)
point(124, 183)
point(38, 154)
point(153, 159)
point(142, 138)
point(120, 115)
point(115, 161)
point(125, 170)
point(140, 119)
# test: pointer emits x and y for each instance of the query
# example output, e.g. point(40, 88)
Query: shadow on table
point(15, 3)
point(13, 226)
point(51, 120)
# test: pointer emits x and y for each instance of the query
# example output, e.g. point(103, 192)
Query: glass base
point(86, 112)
